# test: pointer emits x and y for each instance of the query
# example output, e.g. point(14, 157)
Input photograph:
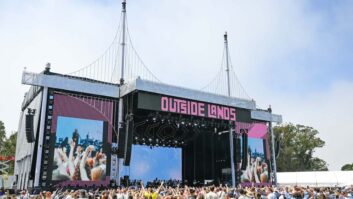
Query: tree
point(2, 135)
point(347, 167)
point(298, 144)
point(7, 145)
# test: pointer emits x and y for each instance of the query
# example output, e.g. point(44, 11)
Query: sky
point(296, 56)
point(67, 125)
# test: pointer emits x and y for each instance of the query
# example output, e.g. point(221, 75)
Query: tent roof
point(315, 178)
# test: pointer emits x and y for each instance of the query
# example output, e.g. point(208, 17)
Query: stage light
point(150, 139)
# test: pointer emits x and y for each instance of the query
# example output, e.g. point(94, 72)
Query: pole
point(120, 109)
point(231, 144)
point(123, 42)
point(273, 148)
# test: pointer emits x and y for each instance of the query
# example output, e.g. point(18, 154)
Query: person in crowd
point(211, 193)
point(160, 190)
point(242, 193)
point(150, 193)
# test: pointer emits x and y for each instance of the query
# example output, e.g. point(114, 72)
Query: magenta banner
point(201, 109)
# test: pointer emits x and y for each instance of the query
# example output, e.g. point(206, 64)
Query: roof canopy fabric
point(315, 178)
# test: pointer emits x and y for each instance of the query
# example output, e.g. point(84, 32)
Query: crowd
point(205, 192)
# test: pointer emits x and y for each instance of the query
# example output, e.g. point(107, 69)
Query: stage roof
point(77, 84)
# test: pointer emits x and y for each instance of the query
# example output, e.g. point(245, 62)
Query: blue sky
point(295, 55)
point(256, 144)
point(67, 125)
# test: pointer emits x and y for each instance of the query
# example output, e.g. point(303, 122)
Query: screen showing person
point(78, 153)
point(257, 169)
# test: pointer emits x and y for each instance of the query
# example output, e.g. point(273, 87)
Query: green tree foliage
point(347, 167)
point(2, 135)
point(7, 145)
point(298, 144)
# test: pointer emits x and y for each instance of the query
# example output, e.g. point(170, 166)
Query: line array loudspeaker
point(128, 143)
point(244, 149)
point(121, 142)
point(29, 128)
point(237, 150)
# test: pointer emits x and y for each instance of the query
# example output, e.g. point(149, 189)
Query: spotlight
point(150, 139)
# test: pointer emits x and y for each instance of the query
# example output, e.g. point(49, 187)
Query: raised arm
point(83, 163)
point(71, 159)
point(160, 186)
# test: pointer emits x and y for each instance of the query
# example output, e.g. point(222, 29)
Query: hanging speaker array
point(29, 126)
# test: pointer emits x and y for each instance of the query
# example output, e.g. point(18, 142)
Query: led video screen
point(257, 168)
point(81, 136)
point(159, 162)
point(78, 153)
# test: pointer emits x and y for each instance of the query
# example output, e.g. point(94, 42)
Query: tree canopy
point(7, 145)
point(297, 146)
point(347, 167)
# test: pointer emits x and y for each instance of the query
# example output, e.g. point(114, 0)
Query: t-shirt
point(211, 195)
point(148, 195)
point(221, 194)
point(271, 196)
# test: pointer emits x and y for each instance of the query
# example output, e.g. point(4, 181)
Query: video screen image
point(78, 153)
point(147, 164)
point(257, 170)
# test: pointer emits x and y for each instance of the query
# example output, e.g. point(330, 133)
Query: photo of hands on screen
point(257, 170)
point(78, 153)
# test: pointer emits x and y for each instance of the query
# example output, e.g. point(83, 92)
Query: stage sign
point(185, 107)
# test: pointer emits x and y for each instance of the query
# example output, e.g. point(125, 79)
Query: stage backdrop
point(82, 129)
point(149, 163)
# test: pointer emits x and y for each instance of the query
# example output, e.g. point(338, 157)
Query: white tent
point(315, 178)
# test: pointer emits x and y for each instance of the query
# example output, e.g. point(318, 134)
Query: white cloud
point(329, 112)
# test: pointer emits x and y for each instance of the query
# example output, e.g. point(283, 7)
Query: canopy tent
point(315, 178)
